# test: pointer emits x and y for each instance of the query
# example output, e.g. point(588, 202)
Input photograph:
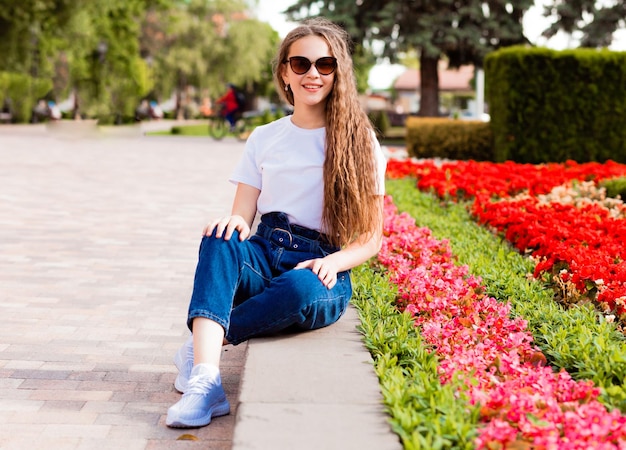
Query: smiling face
point(311, 88)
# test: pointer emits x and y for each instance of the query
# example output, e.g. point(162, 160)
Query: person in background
point(316, 178)
point(155, 110)
point(205, 107)
point(229, 105)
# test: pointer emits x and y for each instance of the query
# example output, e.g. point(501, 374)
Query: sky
point(382, 76)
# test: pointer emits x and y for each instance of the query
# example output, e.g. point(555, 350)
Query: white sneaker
point(203, 399)
point(183, 360)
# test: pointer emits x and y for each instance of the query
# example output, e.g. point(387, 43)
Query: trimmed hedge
point(549, 105)
point(449, 139)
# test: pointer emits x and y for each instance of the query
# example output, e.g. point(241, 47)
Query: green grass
point(187, 130)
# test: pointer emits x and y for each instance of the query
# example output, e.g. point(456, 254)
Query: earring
point(286, 87)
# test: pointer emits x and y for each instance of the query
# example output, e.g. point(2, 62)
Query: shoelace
point(199, 384)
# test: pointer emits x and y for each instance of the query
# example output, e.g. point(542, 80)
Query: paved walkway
point(98, 244)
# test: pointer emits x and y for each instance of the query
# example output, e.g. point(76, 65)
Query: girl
point(317, 180)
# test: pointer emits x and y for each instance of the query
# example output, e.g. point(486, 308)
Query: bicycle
point(219, 127)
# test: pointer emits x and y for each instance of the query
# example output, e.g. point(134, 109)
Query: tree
point(209, 43)
point(90, 47)
point(595, 21)
point(118, 75)
point(111, 53)
point(31, 33)
point(463, 31)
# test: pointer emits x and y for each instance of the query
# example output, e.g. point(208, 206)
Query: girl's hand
point(324, 268)
point(228, 224)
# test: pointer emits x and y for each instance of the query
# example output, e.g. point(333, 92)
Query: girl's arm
point(355, 253)
point(242, 215)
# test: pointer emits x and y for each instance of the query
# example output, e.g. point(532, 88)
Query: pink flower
point(522, 401)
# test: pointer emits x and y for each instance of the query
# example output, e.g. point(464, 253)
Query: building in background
point(455, 89)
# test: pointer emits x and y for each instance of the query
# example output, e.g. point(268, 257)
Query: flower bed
point(578, 245)
point(471, 179)
point(522, 402)
point(581, 250)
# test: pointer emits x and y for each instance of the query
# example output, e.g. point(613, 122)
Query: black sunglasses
point(301, 65)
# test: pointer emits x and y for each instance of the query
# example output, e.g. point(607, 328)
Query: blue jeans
point(231, 119)
point(249, 286)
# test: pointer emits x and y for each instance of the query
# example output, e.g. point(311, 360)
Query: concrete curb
point(314, 390)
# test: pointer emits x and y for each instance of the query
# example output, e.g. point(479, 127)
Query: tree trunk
point(429, 86)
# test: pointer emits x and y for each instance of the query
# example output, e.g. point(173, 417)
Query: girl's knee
point(302, 284)
point(318, 305)
point(211, 243)
point(303, 287)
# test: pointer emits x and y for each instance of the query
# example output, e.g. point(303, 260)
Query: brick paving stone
point(99, 237)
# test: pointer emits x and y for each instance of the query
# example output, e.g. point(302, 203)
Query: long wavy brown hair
point(351, 205)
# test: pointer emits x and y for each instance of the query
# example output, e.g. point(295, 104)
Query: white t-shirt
point(286, 164)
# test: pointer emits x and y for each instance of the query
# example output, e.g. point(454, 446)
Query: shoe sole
point(220, 410)
point(179, 385)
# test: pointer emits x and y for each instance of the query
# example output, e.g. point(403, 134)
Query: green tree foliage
point(208, 44)
point(363, 57)
point(31, 32)
point(461, 31)
point(88, 47)
point(595, 21)
point(111, 53)
point(117, 75)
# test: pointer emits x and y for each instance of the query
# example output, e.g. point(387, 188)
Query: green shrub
point(266, 117)
point(615, 187)
point(23, 91)
point(551, 106)
point(449, 138)
point(280, 113)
